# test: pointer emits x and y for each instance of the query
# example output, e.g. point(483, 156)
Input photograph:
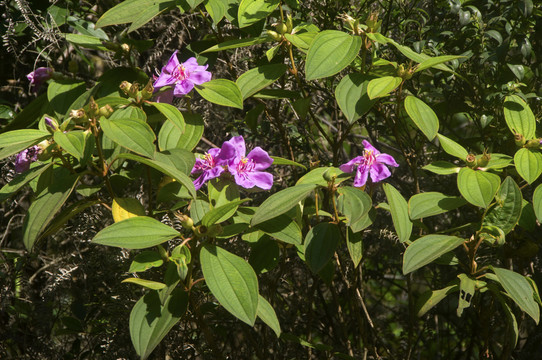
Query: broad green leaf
point(519, 117)
point(411, 54)
point(352, 97)
point(519, 289)
point(330, 52)
point(466, 292)
point(172, 114)
point(86, 41)
point(282, 228)
point(364, 222)
point(537, 202)
point(276, 94)
point(528, 164)
point(252, 11)
point(149, 284)
point(354, 243)
point(234, 44)
point(216, 9)
point(21, 180)
point(135, 233)
point(399, 212)
point(171, 137)
point(222, 92)
point(514, 331)
point(282, 161)
point(431, 298)
point(452, 148)
point(66, 214)
point(478, 187)
point(432, 203)
point(130, 112)
point(301, 40)
point(383, 86)
point(166, 168)
point(28, 116)
point(153, 316)
point(320, 244)
point(62, 93)
point(353, 203)
point(138, 11)
point(46, 206)
point(264, 255)
point(232, 281)
point(442, 168)
point(498, 161)
point(527, 219)
point(506, 211)
point(146, 260)
point(258, 78)
point(316, 177)
point(218, 214)
point(280, 202)
point(427, 249)
point(132, 134)
point(74, 142)
point(267, 314)
point(22, 137)
point(423, 116)
point(432, 62)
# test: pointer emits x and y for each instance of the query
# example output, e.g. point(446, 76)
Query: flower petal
point(164, 96)
point(261, 158)
point(367, 145)
point(191, 64)
point(260, 179)
point(361, 176)
point(386, 159)
point(182, 88)
point(172, 63)
point(239, 144)
point(379, 172)
point(165, 79)
point(200, 77)
point(225, 154)
point(349, 166)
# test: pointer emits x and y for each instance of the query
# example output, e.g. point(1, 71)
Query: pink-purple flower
point(231, 158)
point(26, 157)
point(372, 162)
point(182, 76)
point(38, 76)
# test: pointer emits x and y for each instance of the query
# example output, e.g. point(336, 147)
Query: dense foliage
point(270, 179)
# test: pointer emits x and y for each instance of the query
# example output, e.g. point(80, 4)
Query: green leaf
point(330, 52)
point(134, 11)
point(411, 54)
point(172, 114)
point(399, 212)
point(431, 298)
point(264, 255)
point(237, 43)
point(21, 180)
point(519, 117)
point(232, 281)
point(505, 213)
point(222, 92)
point(466, 292)
point(452, 148)
point(62, 93)
point(219, 214)
point(352, 97)
point(146, 260)
point(423, 116)
point(537, 202)
point(281, 202)
point(28, 115)
point(301, 40)
point(432, 62)
point(442, 168)
point(74, 142)
point(22, 137)
point(316, 177)
point(498, 161)
point(528, 164)
point(432, 203)
point(282, 161)
point(427, 249)
point(354, 242)
point(258, 78)
point(252, 11)
point(519, 290)
point(135, 233)
point(48, 203)
point(132, 134)
point(216, 9)
point(152, 318)
point(171, 137)
point(149, 284)
point(282, 228)
point(267, 314)
point(86, 41)
point(383, 86)
point(478, 187)
point(320, 244)
point(353, 203)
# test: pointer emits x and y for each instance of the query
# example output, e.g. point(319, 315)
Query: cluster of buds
point(200, 230)
point(281, 29)
point(373, 24)
point(352, 24)
point(520, 141)
point(475, 162)
point(134, 92)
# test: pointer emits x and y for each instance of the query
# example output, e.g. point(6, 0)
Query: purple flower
point(213, 164)
point(183, 76)
point(371, 162)
point(26, 157)
point(51, 123)
point(247, 170)
point(38, 76)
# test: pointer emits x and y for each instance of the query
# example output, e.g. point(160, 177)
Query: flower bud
point(79, 115)
point(330, 174)
point(148, 90)
point(133, 92)
point(106, 111)
point(533, 144)
point(273, 35)
point(125, 47)
point(51, 123)
point(93, 107)
point(200, 231)
point(519, 139)
point(125, 87)
point(289, 24)
point(186, 221)
point(484, 159)
point(281, 28)
point(47, 150)
point(471, 161)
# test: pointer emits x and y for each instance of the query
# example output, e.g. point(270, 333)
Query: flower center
point(245, 166)
point(207, 163)
point(369, 157)
point(180, 73)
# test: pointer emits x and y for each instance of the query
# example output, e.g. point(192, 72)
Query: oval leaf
point(519, 290)
point(452, 148)
point(432, 203)
point(382, 86)
point(258, 78)
point(222, 92)
point(232, 281)
point(528, 164)
point(423, 116)
point(537, 202)
point(149, 284)
point(22, 137)
point(268, 315)
point(172, 114)
point(320, 244)
point(252, 11)
point(506, 212)
point(478, 187)
point(399, 212)
point(427, 249)
point(132, 134)
point(353, 203)
point(519, 117)
point(352, 97)
point(354, 242)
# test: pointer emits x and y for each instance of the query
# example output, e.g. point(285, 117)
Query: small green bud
point(125, 86)
point(330, 174)
point(289, 24)
point(484, 159)
point(46, 150)
point(273, 35)
point(533, 144)
point(79, 115)
point(125, 48)
point(147, 91)
point(281, 28)
point(471, 161)
point(106, 111)
point(519, 139)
